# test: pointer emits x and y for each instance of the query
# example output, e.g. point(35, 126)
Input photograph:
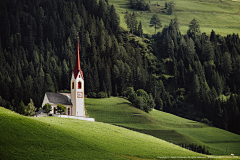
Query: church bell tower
point(77, 88)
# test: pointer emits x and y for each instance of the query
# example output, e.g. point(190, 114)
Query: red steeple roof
point(77, 68)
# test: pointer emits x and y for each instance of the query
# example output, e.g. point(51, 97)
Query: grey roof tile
point(56, 98)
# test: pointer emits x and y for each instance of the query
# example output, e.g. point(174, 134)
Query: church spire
point(77, 68)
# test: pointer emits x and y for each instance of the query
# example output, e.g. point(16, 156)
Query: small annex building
point(74, 101)
point(55, 98)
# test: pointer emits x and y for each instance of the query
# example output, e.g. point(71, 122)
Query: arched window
point(72, 85)
point(68, 111)
point(79, 85)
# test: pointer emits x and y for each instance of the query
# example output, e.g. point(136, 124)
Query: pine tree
point(115, 79)
point(225, 119)
point(30, 108)
point(194, 26)
point(207, 52)
point(21, 108)
point(107, 80)
point(49, 85)
point(140, 30)
point(114, 19)
point(195, 89)
point(226, 65)
point(155, 22)
point(65, 76)
point(102, 9)
point(213, 37)
point(127, 18)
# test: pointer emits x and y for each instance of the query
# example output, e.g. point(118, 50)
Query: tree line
point(38, 47)
point(202, 74)
point(195, 148)
point(139, 5)
point(192, 75)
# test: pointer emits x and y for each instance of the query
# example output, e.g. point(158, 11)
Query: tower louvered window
point(79, 85)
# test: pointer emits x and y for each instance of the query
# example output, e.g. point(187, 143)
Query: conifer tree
point(114, 19)
point(30, 108)
point(226, 64)
point(195, 89)
point(65, 76)
point(140, 30)
point(194, 28)
point(127, 19)
point(49, 85)
point(21, 108)
point(155, 22)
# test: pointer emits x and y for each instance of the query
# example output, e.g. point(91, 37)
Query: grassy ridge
point(59, 138)
point(163, 125)
point(223, 17)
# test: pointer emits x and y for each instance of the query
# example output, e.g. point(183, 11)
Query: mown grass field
point(223, 16)
point(61, 138)
point(118, 111)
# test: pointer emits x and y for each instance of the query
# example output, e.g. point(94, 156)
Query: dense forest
point(202, 74)
point(192, 75)
point(38, 47)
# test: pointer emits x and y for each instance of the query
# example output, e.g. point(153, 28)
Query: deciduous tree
point(47, 108)
point(61, 109)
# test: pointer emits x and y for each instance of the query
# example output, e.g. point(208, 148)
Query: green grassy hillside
point(61, 138)
point(163, 125)
point(223, 16)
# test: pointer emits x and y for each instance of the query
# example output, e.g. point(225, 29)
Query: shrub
point(102, 95)
point(30, 108)
point(98, 95)
point(92, 95)
point(47, 108)
point(195, 148)
point(205, 120)
point(140, 99)
point(130, 94)
point(139, 103)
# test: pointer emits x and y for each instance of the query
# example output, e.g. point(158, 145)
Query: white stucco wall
point(73, 94)
point(75, 117)
point(78, 103)
point(45, 100)
point(55, 105)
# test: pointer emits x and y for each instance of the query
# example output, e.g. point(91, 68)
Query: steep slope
point(221, 16)
point(58, 138)
point(163, 125)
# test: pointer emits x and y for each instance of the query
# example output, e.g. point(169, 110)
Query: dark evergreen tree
point(155, 22)
point(140, 30)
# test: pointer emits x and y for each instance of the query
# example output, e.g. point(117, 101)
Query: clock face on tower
point(79, 94)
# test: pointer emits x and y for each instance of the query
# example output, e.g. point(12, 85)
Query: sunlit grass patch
point(162, 125)
point(220, 16)
point(61, 138)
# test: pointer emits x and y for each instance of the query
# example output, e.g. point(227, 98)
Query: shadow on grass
point(124, 103)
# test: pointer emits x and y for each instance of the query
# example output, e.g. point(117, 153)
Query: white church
point(74, 102)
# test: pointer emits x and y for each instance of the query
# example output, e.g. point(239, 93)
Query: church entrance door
point(68, 111)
